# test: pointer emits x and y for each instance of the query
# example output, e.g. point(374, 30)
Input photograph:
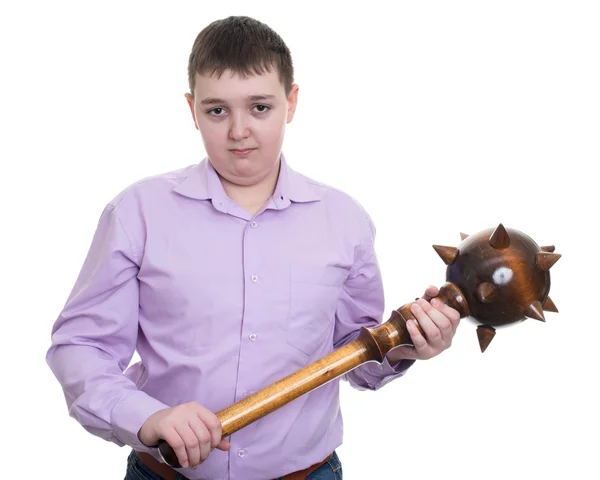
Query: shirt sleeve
point(94, 338)
point(361, 304)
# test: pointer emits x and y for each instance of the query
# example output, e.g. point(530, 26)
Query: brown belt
point(157, 467)
point(168, 473)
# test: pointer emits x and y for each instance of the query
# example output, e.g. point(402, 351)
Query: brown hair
point(243, 45)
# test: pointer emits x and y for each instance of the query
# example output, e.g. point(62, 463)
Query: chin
point(241, 174)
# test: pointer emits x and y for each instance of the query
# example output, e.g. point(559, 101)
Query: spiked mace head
point(503, 275)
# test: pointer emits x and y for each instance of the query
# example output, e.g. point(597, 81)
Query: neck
point(252, 197)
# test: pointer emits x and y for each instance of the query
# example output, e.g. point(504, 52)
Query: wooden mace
point(495, 277)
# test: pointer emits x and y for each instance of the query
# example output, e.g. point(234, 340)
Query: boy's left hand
point(438, 322)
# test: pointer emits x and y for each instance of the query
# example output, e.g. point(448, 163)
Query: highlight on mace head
point(503, 275)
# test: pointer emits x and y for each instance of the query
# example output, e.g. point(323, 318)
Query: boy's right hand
point(190, 429)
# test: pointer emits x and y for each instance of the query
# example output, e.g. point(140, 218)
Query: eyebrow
point(252, 98)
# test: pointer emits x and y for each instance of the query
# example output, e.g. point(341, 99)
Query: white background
point(438, 116)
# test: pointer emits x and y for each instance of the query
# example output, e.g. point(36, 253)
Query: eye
point(217, 112)
point(262, 108)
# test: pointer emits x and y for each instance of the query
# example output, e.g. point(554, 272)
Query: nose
point(238, 129)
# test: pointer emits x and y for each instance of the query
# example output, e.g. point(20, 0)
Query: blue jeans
point(331, 470)
point(136, 470)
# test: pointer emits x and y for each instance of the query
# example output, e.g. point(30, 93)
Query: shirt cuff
point(129, 415)
point(373, 376)
point(401, 367)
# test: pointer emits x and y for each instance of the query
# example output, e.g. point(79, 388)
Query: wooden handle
point(372, 344)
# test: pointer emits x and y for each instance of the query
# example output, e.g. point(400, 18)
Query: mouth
point(242, 153)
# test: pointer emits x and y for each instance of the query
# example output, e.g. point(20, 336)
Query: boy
point(226, 276)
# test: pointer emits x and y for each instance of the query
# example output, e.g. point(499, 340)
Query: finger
point(177, 443)
point(436, 327)
point(213, 424)
point(191, 444)
point(442, 322)
point(203, 437)
point(418, 340)
point(430, 330)
point(452, 314)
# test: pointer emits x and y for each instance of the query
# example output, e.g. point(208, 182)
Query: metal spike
point(547, 248)
point(463, 235)
point(535, 311)
point(487, 293)
point(500, 237)
point(485, 334)
point(549, 306)
point(545, 260)
point(448, 254)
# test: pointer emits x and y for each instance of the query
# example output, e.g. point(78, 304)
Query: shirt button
point(241, 452)
point(253, 224)
point(252, 337)
point(254, 278)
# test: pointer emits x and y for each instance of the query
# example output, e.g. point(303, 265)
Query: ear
point(190, 102)
point(292, 102)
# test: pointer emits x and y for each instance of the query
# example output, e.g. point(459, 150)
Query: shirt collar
point(203, 183)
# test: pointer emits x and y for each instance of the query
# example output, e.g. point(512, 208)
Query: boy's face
point(242, 122)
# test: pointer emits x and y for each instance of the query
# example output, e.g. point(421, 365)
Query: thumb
point(224, 445)
point(430, 292)
point(403, 352)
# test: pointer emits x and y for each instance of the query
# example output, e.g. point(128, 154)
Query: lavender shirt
point(220, 304)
